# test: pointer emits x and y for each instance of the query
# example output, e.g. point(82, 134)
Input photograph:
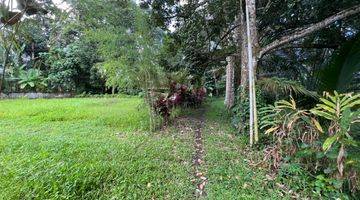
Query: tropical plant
point(328, 187)
point(290, 127)
point(31, 79)
point(128, 54)
point(282, 87)
point(343, 113)
point(179, 95)
point(299, 131)
point(340, 71)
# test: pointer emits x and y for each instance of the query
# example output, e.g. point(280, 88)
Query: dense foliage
point(327, 148)
point(175, 53)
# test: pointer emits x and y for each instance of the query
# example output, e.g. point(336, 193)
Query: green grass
point(126, 114)
point(228, 158)
point(88, 149)
point(101, 149)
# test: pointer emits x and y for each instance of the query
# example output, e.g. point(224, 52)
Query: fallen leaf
point(245, 185)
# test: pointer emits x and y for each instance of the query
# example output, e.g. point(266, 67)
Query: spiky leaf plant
point(290, 127)
point(341, 110)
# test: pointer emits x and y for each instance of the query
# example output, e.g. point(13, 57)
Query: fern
point(276, 86)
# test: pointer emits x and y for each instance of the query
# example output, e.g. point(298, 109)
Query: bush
point(241, 110)
point(298, 135)
point(179, 95)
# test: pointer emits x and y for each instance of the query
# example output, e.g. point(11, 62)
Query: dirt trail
point(198, 158)
point(192, 124)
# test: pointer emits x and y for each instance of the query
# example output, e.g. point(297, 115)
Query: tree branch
point(225, 35)
point(302, 32)
point(310, 46)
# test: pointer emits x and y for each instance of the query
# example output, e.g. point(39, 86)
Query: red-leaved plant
point(179, 95)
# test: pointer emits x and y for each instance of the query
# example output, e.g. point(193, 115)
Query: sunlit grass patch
point(88, 149)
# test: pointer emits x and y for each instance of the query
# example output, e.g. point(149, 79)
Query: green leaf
point(317, 125)
point(22, 86)
point(284, 104)
point(323, 114)
point(328, 142)
point(348, 98)
point(352, 104)
point(327, 102)
point(339, 73)
point(327, 108)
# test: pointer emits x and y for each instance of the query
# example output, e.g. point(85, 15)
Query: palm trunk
point(230, 67)
point(250, 71)
point(256, 126)
point(242, 52)
point(341, 161)
point(229, 94)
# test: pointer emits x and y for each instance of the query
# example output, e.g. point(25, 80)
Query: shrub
point(241, 110)
point(342, 113)
point(290, 127)
point(297, 134)
point(179, 95)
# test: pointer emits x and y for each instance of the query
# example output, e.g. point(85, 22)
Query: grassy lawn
point(100, 149)
point(88, 149)
point(227, 161)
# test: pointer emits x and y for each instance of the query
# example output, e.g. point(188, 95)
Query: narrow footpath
point(200, 180)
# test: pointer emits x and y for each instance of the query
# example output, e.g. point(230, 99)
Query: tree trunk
point(6, 57)
point(216, 85)
point(230, 67)
point(33, 52)
point(244, 74)
point(242, 42)
point(253, 52)
point(229, 94)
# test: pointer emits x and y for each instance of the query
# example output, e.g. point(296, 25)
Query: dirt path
point(192, 125)
point(200, 180)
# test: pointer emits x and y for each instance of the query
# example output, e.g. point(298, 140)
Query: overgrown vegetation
point(289, 71)
point(298, 136)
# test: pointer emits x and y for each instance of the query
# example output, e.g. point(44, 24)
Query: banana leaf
point(340, 72)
